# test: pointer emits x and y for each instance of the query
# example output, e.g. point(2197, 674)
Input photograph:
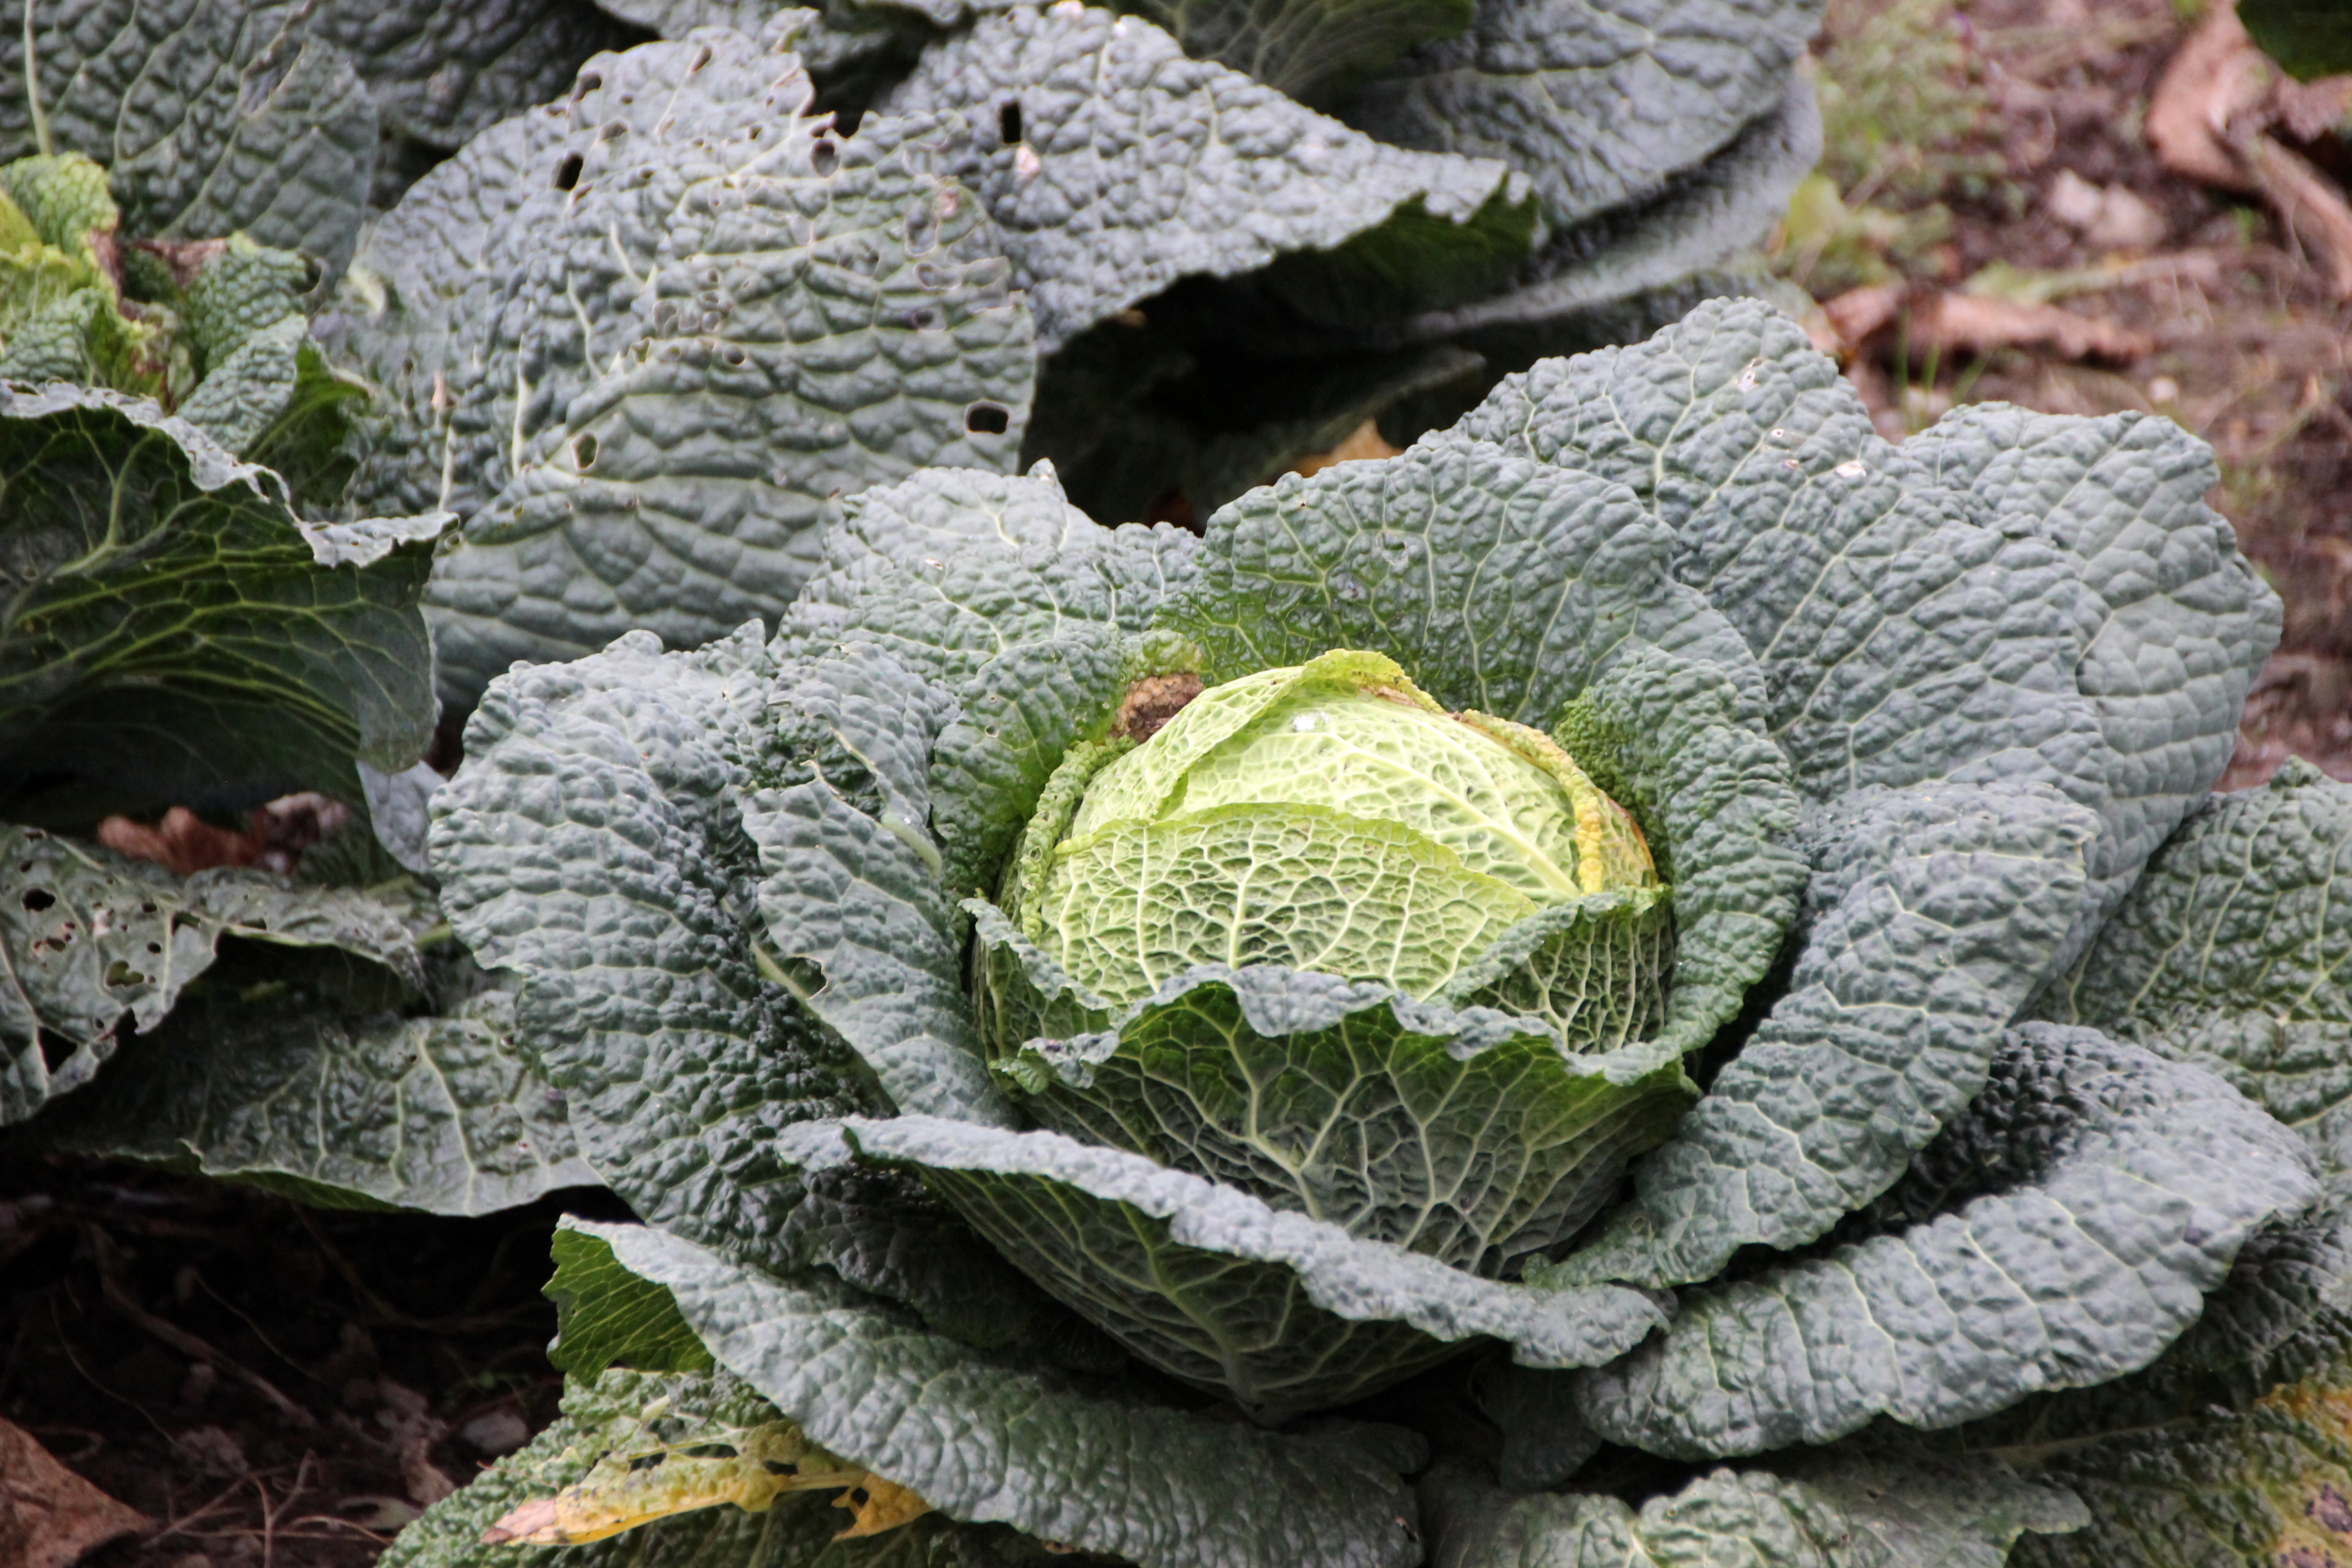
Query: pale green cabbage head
point(1332, 817)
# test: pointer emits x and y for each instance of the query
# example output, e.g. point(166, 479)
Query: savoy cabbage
point(1652, 979)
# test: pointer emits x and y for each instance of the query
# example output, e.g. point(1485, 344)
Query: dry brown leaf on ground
point(1889, 316)
point(2211, 119)
point(49, 1517)
point(185, 844)
point(1364, 441)
point(1964, 322)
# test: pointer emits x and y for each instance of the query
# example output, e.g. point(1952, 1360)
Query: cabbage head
point(1652, 980)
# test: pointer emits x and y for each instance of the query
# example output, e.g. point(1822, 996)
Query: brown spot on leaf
point(1152, 701)
point(2330, 1509)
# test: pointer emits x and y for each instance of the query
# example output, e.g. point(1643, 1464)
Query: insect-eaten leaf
point(748, 1467)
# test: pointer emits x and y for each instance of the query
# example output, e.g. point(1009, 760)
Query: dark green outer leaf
point(2311, 38)
point(211, 116)
point(1666, 735)
point(441, 73)
point(1316, 51)
point(2177, 621)
point(591, 845)
point(997, 590)
point(2133, 1183)
point(1707, 217)
point(849, 890)
point(1282, 1312)
point(173, 625)
point(2233, 954)
point(439, 1114)
point(952, 568)
point(1936, 911)
point(89, 937)
point(1603, 102)
point(1129, 166)
point(1498, 584)
point(1911, 630)
point(984, 1438)
point(644, 362)
point(1466, 1136)
point(1844, 1511)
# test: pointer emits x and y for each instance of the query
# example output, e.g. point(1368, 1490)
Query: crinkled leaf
point(1604, 102)
point(591, 845)
point(2183, 1468)
point(1847, 1510)
point(2177, 622)
point(442, 1114)
point(1000, 592)
point(643, 361)
point(1019, 715)
point(2231, 953)
point(441, 73)
point(849, 883)
point(213, 117)
point(1280, 1311)
point(1511, 588)
point(1664, 734)
point(622, 1416)
point(1936, 911)
point(1911, 631)
point(1705, 219)
point(1316, 51)
point(1466, 1136)
point(1498, 584)
point(2123, 1186)
point(398, 812)
point(89, 937)
point(988, 1438)
point(1114, 166)
point(952, 568)
point(175, 627)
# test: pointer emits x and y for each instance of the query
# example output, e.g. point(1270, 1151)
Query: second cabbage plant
point(1653, 979)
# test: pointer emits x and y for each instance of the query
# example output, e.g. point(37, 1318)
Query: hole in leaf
point(567, 173)
point(987, 419)
point(1008, 121)
point(709, 1451)
point(55, 1051)
point(589, 82)
point(38, 899)
point(645, 1461)
point(780, 1466)
point(583, 452)
point(825, 159)
point(701, 58)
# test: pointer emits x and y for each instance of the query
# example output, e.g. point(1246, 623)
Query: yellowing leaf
point(878, 1505)
point(748, 1468)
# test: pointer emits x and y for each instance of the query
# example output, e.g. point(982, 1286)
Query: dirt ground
point(276, 1387)
point(271, 1386)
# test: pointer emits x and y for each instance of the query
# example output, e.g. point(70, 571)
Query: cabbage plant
point(351, 350)
point(1652, 980)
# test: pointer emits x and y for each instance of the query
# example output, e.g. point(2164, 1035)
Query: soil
point(273, 1386)
point(281, 1387)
